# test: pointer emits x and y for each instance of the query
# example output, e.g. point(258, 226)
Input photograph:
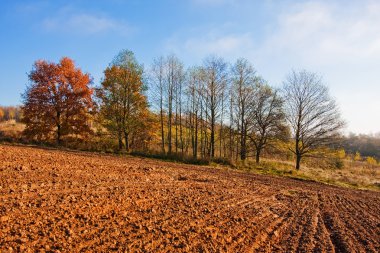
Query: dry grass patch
point(353, 174)
point(11, 129)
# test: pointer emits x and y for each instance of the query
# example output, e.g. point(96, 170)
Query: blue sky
point(338, 39)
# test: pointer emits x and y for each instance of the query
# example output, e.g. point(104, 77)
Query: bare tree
point(243, 91)
point(193, 98)
point(312, 114)
point(167, 77)
point(158, 72)
point(174, 77)
point(215, 84)
point(178, 82)
point(267, 118)
point(231, 130)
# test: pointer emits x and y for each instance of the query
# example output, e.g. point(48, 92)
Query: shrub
point(357, 157)
point(339, 164)
point(371, 161)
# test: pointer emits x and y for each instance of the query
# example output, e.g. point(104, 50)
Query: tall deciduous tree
point(123, 103)
point(312, 114)
point(215, 70)
point(267, 118)
point(174, 78)
point(2, 114)
point(158, 76)
point(58, 101)
point(194, 100)
point(243, 94)
point(168, 79)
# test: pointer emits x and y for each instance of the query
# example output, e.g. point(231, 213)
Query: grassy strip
point(286, 170)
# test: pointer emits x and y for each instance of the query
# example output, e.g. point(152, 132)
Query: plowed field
point(60, 201)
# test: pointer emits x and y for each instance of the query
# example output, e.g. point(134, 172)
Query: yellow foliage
point(357, 157)
point(371, 161)
point(341, 153)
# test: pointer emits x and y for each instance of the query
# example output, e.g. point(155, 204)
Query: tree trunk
point(120, 138)
point(231, 131)
point(126, 138)
point(243, 152)
point(221, 128)
point(176, 129)
point(258, 151)
point(201, 129)
point(212, 136)
point(298, 161)
point(59, 134)
point(180, 128)
point(59, 128)
point(170, 128)
point(162, 128)
point(298, 151)
point(212, 140)
point(243, 144)
point(195, 151)
point(180, 119)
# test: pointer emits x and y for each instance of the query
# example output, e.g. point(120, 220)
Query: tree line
point(366, 145)
point(10, 113)
point(213, 111)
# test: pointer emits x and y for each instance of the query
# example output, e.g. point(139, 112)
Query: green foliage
point(126, 59)
point(123, 105)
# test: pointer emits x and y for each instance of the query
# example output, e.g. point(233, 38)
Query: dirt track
point(61, 201)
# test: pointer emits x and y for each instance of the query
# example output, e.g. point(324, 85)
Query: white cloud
point(227, 46)
point(84, 24)
point(327, 33)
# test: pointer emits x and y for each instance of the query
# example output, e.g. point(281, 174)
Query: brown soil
point(57, 201)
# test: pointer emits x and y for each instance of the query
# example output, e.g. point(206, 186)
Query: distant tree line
point(366, 145)
point(10, 113)
point(213, 111)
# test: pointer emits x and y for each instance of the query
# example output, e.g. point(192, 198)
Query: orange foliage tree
point(1, 114)
point(58, 102)
point(123, 105)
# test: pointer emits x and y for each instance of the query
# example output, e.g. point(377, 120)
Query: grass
point(10, 130)
point(353, 174)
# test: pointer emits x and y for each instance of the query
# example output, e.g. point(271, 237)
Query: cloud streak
point(85, 24)
point(227, 45)
point(324, 33)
